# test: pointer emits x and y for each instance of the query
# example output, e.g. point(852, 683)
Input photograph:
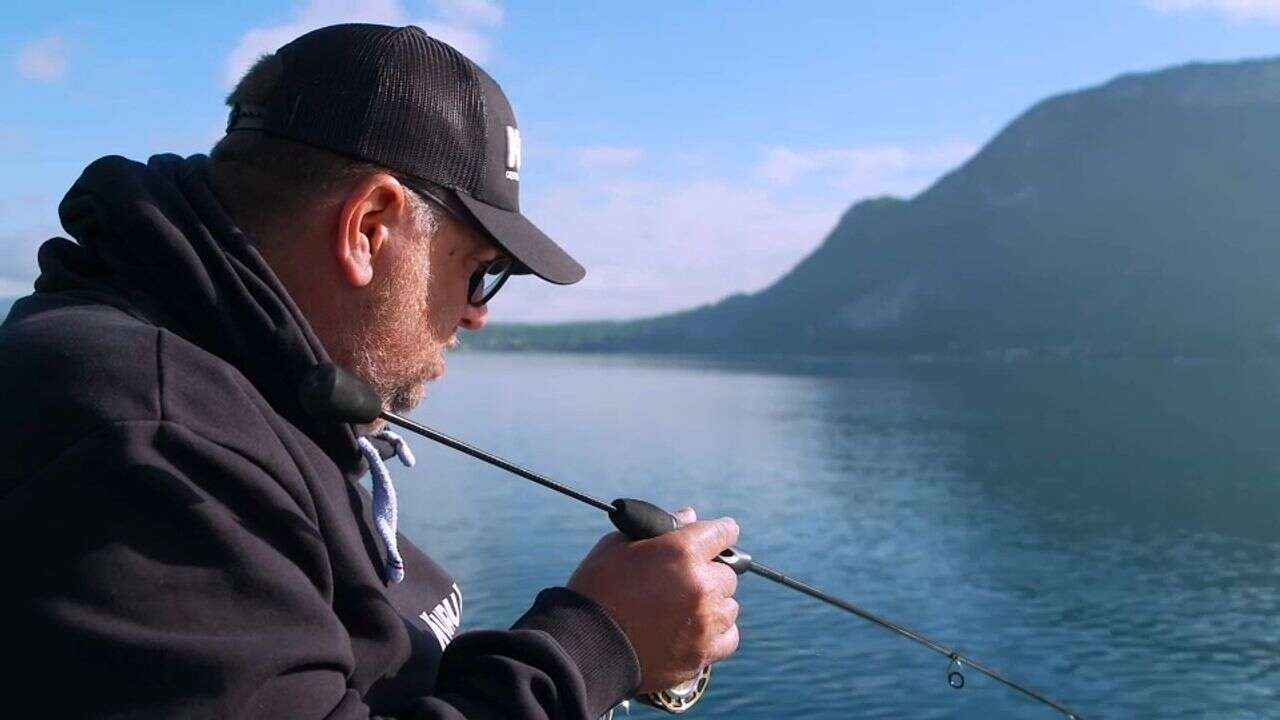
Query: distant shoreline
point(918, 359)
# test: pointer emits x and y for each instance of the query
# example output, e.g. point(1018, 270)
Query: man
point(182, 539)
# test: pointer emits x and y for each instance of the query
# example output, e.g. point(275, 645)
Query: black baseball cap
point(398, 98)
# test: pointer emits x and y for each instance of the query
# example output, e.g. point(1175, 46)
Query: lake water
point(1107, 533)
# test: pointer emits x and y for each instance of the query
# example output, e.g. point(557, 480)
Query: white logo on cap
point(513, 153)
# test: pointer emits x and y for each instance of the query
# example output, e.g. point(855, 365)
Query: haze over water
point(1103, 532)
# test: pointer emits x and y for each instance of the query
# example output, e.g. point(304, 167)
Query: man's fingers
point(725, 645)
point(726, 580)
point(706, 538)
point(728, 613)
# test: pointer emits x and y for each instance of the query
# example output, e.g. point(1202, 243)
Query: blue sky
point(682, 150)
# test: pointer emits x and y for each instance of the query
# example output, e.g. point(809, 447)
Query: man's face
point(415, 305)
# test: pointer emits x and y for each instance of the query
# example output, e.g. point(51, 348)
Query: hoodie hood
point(153, 240)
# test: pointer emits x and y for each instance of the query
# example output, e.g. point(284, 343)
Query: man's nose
point(475, 316)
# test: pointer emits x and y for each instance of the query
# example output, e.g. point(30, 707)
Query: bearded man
point(185, 541)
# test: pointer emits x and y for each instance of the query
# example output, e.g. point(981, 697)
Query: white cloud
point(652, 247)
point(43, 60)
point(464, 24)
point(1239, 10)
point(605, 157)
point(470, 12)
point(864, 171)
point(656, 246)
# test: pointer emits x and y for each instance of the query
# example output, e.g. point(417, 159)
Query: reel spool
point(681, 697)
point(674, 700)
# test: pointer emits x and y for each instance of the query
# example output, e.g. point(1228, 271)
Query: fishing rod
point(331, 393)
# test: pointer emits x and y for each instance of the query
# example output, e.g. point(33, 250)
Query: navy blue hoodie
point(183, 541)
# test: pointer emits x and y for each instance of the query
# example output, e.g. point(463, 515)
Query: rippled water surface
point(1105, 532)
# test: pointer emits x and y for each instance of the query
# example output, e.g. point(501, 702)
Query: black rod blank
point(510, 467)
point(745, 564)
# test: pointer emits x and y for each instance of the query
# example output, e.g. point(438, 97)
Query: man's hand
point(675, 604)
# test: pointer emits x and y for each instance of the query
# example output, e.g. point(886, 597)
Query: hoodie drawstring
point(384, 497)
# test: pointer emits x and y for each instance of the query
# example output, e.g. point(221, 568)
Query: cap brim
point(530, 246)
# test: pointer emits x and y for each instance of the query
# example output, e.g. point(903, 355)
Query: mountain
point(1138, 217)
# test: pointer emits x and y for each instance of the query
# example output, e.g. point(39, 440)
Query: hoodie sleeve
point(563, 630)
point(155, 573)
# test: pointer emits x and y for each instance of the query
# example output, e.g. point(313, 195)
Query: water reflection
point(1103, 531)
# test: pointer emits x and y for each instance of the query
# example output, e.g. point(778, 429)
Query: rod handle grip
point(640, 520)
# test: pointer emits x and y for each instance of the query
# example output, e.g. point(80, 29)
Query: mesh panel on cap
point(391, 96)
point(434, 110)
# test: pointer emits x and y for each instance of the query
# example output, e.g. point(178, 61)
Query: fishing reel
point(674, 700)
point(681, 697)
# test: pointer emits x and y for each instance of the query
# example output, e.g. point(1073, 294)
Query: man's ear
point(372, 211)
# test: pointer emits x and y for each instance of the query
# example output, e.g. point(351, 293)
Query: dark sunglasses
point(489, 278)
